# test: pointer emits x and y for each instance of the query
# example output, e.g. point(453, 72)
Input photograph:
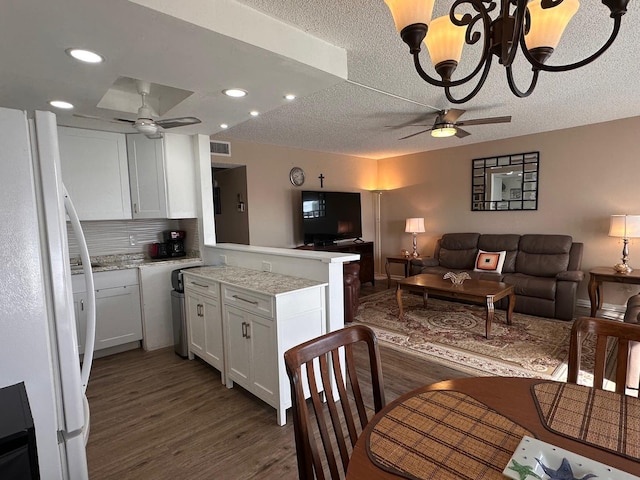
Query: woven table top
point(444, 435)
point(596, 417)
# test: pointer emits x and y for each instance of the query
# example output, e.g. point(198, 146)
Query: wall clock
point(296, 176)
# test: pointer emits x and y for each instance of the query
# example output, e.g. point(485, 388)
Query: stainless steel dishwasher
point(179, 314)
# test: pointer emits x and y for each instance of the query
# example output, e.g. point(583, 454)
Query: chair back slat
point(604, 330)
point(330, 377)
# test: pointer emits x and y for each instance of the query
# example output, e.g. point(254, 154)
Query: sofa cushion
point(543, 255)
point(531, 286)
point(490, 261)
point(498, 242)
point(458, 250)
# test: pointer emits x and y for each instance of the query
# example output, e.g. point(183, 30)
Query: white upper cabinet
point(94, 170)
point(163, 176)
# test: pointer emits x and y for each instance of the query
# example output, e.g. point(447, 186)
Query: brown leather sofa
point(544, 269)
point(633, 369)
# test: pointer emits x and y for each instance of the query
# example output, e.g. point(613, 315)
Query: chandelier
point(535, 26)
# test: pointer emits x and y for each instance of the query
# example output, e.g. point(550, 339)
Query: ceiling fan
point(145, 123)
point(445, 124)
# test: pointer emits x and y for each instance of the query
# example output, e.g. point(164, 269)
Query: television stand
point(359, 246)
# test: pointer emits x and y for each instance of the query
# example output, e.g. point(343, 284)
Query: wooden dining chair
point(327, 373)
point(603, 329)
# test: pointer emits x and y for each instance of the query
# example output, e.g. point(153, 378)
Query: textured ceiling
point(206, 45)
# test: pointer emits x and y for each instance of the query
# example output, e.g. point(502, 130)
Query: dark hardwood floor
point(157, 416)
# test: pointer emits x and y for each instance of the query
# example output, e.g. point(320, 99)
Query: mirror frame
point(526, 165)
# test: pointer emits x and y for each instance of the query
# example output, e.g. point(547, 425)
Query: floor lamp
point(625, 227)
point(414, 226)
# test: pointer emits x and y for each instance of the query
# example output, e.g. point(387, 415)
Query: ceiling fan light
point(146, 126)
point(548, 24)
point(445, 40)
point(410, 12)
point(443, 132)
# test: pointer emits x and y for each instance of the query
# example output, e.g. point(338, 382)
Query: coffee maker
point(175, 242)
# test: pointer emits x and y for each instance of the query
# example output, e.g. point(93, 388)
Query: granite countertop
point(105, 263)
point(255, 280)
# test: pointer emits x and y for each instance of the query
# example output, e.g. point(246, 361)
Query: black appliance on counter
point(175, 242)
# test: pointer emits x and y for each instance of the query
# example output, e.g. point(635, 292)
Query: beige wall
point(586, 174)
point(274, 204)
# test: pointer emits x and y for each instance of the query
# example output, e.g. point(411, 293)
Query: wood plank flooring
point(157, 416)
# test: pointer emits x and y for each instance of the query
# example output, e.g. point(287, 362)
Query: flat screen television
point(330, 216)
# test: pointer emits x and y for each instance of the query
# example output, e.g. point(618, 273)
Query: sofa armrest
point(571, 276)
point(425, 262)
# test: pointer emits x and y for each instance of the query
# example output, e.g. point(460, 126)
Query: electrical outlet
point(223, 259)
point(266, 266)
point(133, 240)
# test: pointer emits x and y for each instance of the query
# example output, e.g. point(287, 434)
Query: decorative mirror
point(507, 182)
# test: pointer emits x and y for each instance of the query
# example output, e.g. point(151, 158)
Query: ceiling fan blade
point(95, 117)
point(418, 133)
point(124, 120)
point(177, 122)
point(483, 121)
point(451, 115)
point(460, 133)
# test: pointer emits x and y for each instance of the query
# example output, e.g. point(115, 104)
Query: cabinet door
point(146, 176)
point(239, 353)
point(94, 170)
point(180, 171)
point(213, 333)
point(264, 378)
point(80, 309)
point(195, 319)
point(118, 317)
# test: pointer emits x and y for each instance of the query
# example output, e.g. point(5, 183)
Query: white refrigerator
point(38, 344)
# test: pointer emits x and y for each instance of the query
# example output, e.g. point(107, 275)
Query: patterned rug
point(453, 334)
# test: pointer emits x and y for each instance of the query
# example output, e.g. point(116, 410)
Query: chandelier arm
point(564, 68)
point(508, 56)
point(474, 92)
point(514, 88)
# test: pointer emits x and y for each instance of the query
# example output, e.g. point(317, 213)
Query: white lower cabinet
point(242, 321)
point(204, 322)
point(118, 312)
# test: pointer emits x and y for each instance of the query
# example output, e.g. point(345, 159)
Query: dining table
point(469, 428)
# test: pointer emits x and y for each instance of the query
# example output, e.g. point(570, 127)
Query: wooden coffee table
point(485, 292)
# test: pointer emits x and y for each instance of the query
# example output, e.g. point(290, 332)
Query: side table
point(406, 261)
point(607, 274)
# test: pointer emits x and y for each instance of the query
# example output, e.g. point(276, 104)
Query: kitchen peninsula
point(241, 321)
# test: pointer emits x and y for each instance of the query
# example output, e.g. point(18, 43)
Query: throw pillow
point(490, 262)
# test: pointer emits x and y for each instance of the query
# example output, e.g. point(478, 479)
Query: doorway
point(231, 205)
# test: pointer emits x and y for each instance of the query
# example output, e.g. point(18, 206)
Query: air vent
point(220, 148)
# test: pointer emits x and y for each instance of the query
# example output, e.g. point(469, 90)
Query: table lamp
point(414, 226)
point(625, 227)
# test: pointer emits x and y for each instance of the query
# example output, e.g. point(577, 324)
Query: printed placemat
point(596, 417)
point(445, 435)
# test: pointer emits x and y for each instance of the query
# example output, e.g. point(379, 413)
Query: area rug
point(452, 334)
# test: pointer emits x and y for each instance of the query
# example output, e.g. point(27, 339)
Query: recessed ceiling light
point(61, 104)
point(290, 96)
point(254, 113)
point(86, 56)
point(235, 92)
point(224, 125)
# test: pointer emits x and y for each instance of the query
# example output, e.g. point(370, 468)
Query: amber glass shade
point(548, 24)
point(408, 12)
point(444, 40)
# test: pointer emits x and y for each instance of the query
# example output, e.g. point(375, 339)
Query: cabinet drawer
point(248, 301)
point(204, 287)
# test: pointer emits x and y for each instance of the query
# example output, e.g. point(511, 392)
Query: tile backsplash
point(114, 237)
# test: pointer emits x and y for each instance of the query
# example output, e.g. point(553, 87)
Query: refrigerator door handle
point(90, 337)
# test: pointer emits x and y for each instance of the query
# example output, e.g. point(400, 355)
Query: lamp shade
point(408, 12)
point(414, 225)
point(625, 226)
point(444, 40)
point(548, 24)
